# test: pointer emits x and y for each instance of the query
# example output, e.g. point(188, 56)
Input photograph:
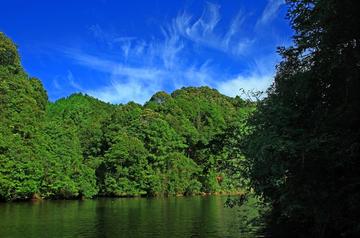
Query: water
point(124, 217)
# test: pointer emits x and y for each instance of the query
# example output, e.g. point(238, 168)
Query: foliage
point(124, 167)
point(303, 151)
point(21, 114)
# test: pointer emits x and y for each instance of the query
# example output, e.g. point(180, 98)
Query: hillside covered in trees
point(82, 147)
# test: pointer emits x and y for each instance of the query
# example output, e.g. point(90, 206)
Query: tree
point(181, 175)
point(22, 110)
point(303, 151)
point(125, 167)
point(66, 173)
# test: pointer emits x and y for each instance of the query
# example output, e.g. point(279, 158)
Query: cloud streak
point(203, 31)
point(169, 61)
point(270, 12)
point(112, 67)
point(72, 82)
point(138, 83)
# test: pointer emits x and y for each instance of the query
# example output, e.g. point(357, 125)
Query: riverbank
point(37, 197)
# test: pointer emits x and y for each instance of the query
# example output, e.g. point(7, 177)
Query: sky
point(121, 51)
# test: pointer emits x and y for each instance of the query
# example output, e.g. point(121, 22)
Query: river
point(123, 217)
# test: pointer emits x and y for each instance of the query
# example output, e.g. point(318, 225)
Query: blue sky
point(120, 51)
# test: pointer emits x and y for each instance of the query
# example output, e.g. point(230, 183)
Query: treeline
point(82, 147)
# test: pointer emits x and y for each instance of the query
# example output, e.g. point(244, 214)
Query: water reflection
point(128, 217)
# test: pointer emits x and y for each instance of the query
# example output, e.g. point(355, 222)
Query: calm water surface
point(124, 217)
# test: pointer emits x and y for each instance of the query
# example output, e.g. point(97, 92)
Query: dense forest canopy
point(81, 147)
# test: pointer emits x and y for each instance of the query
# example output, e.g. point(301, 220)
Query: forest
point(296, 149)
point(80, 147)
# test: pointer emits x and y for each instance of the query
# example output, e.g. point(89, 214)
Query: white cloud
point(147, 66)
point(126, 83)
point(139, 83)
point(202, 31)
point(270, 11)
point(112, 67)
point(255, 83)
point(123, 92)
point(170, 48)
point(257, 78)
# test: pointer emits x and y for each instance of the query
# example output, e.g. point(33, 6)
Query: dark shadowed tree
point(304, 149)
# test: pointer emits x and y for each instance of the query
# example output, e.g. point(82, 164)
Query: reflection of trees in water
point(126, 217)
point(249, 220)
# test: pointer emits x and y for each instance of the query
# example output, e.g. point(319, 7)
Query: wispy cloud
point(269, 12)
point(55, 83)
point(101, 35)
point(138, 83)
point(203, 30)
point(112, 67)
point(72, 82)
point(108, 37)
point(169, 61)
point(170, 48)
point(122, 92)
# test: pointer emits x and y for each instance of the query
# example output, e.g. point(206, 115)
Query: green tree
point(125, 167)
point(181, 175)
point(66, 173)
point(88, 114)
point(303, 151)
point(22, 110)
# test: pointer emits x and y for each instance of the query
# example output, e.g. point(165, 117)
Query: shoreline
point(37, 198)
